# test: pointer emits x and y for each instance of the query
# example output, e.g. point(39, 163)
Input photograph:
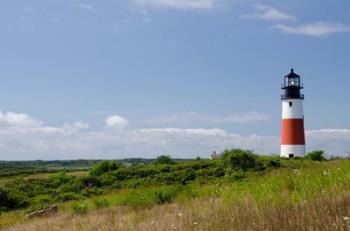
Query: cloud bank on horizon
point(23, 137)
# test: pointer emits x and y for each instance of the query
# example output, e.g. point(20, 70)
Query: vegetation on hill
point(237, 177)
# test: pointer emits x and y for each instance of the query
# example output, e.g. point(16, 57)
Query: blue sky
point(140, 78)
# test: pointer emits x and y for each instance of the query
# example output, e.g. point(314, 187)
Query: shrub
point(241, 159)
point(103, 167)
point(107, 179)
point(11, 200)
point(317, 155)
point(188, 175)
point(60, 178)
point(164, 159)
point(43, 201)
point(123, 173)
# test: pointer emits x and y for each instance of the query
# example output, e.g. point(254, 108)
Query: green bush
point(123, 173)
point(104, 167)
point(60, 178)
point(241, 159)
point(41, 202)
point(11, 199)
point(317, 155)
point(188, 175)
point(164, 159)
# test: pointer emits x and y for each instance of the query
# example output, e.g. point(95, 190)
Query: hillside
point(239, 191)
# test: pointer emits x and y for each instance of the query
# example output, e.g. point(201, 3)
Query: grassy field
point(295, 195)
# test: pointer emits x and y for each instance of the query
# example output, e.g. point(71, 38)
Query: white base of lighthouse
point(289, 151)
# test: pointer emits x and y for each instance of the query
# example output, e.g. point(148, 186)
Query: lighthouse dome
point(292, 86)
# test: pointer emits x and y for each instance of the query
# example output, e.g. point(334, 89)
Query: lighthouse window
point(290, 104)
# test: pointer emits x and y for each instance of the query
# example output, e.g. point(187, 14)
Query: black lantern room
point(292, 86)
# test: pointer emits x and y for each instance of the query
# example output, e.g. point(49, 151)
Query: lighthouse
point(293, 134)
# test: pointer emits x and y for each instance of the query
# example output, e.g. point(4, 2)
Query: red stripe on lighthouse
point(293, 132)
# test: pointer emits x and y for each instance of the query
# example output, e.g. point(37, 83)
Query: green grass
point(292, 185)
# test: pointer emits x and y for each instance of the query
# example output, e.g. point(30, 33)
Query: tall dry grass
point(211, 214)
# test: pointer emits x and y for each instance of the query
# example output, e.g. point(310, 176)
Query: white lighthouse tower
point(293, 134)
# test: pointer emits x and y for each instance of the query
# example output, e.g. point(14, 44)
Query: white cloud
point(35, 140)
point(177, 4)
point(330, 134)
point(314, 29)
point(193, 117)
point(116, 122)
point(269, 13)
point(18, 119)
point(334, 141)
point(76, 126)
point(23, 137)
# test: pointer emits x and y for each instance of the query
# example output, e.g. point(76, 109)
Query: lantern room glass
point(291, 81)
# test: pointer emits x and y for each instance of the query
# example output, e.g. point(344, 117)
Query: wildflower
point(195, 223)
point(180, 214)
point(346, 218)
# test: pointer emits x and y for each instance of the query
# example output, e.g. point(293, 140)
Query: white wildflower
point(346, 218)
